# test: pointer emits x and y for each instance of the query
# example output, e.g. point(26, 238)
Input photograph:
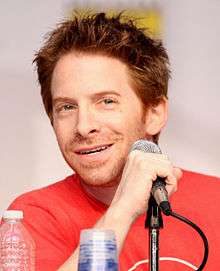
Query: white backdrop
point(29, 154)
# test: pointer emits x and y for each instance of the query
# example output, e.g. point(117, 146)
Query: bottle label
point(98, 255)
point(15, 256)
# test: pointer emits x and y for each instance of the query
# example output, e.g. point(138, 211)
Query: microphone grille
point(145, 146)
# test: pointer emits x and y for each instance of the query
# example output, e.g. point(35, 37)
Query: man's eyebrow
point(105, 92)
point(62, 99)
point(93, 96)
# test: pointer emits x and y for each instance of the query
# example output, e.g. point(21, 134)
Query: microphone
point(158, 190)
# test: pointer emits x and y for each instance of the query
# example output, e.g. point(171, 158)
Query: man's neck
point(103, 194)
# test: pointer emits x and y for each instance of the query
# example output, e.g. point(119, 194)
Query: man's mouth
point(91, 150)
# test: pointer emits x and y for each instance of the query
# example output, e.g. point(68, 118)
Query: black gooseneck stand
point(153, 222)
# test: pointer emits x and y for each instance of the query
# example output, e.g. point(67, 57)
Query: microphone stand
point(154, 222)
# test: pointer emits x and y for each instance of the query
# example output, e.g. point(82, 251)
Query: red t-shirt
point(56, 214)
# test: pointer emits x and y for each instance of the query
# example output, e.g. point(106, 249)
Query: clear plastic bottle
point(17, 247)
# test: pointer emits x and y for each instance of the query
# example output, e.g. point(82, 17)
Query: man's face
point(96, 116)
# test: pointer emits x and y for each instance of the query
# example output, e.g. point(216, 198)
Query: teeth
point(94, 150)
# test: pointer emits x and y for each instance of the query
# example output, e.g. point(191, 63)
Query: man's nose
point(87, 122)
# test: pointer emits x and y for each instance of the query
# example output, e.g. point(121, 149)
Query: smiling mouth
point(94, 150)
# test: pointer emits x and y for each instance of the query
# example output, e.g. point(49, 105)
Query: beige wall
point(29, 154)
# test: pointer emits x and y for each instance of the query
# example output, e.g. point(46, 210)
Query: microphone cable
point(199, 231)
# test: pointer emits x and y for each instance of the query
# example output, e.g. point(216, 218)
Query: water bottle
point(17, 248)
point(98, 251)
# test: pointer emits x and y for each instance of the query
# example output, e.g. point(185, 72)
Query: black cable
point(195, 227)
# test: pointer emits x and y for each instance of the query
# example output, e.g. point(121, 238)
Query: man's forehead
point(89, 73)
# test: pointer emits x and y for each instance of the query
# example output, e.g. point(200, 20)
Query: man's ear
point(156, 117)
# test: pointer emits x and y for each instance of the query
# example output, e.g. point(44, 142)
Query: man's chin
point(99, 181)
point(103, 175)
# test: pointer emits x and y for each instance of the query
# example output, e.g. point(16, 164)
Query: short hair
point(115, 36)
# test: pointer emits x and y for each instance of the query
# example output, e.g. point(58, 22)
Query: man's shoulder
point(193, 186)
point(195, 196)
point(195, 177)
point(62, 202)
point(49, 194)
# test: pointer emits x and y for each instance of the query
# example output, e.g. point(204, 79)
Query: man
point(104, 86)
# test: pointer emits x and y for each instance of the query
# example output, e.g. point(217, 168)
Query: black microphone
point(158, 190)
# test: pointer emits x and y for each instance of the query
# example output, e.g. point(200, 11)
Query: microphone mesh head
point(145, 146)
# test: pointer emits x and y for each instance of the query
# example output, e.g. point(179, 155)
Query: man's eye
point(108, 101)
point(64, 108)
point(67, 107)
